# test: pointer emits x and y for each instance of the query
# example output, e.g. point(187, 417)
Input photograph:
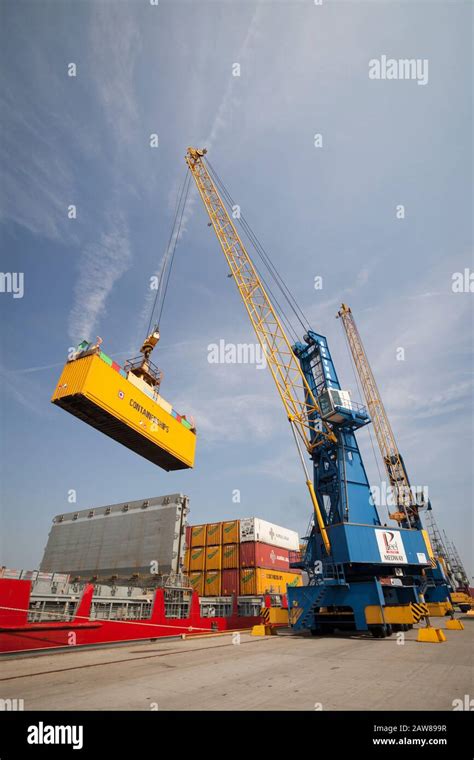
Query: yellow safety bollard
point(454, 625)
point(431, 635)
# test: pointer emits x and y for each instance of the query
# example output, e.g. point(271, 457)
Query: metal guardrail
point(140, 361)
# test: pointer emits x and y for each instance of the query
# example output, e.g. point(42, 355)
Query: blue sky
point(326, 211)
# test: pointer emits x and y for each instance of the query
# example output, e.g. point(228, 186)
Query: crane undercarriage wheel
point(323, 630)
point(381, 631)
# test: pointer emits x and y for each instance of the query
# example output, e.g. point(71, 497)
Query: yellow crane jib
point(300, 404)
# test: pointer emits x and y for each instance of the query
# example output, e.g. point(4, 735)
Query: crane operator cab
point(337, 407)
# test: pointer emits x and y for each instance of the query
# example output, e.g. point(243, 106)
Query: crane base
point(431, 635)
point(263, 630)
point(454, 625)
point(439, 609)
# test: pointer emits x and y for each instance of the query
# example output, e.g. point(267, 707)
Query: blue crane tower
point(372, 577)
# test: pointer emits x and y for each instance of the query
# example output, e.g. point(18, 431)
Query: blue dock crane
point(371, 578)
point(361, 574)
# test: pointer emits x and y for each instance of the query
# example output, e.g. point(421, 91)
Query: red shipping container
point(230, 582)
point(258, 554)
point(230, 556)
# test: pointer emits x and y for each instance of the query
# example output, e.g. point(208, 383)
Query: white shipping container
point(256, 529)
point(164, 404)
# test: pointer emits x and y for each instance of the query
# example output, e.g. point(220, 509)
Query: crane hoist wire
point(266, 260)
point(169, 254)
point(248, 233)
point(297, 311)
point(170, 251)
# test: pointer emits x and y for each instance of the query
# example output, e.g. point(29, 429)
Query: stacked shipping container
point(231, 558)
point(240, 557)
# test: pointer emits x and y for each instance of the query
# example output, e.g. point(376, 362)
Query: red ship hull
point(17, 634)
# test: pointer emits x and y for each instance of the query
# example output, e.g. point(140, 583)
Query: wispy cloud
point(38, 184)
point(363, 276)
point(228, 103)
point(230, 99)
point(23, 391)
point(284, 465)
point(236, 418)
point(101, 265)
point(422, 385)
point(231, 403)
point(115, 42)
point(160, 274)
point(28, 370)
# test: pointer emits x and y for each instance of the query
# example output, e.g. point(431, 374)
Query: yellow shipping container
point(256, 580)
point(197, 582)
point(214, 534)
point(198, 558)
point(187, 560)
point(98, 391)
point(212, 584)
point(213, 558)
point(231, 532)
point(198, 535)
point(230, 556)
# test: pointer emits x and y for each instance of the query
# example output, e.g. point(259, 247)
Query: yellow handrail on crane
point(383, 430)
point(295, 393)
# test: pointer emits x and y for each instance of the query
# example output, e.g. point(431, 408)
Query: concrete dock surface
point(230, 672)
